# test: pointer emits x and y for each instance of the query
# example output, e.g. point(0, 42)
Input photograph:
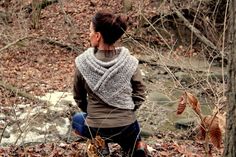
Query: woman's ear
point(98, 36)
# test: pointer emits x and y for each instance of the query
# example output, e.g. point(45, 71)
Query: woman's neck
point(105, 47)
point(106, 52)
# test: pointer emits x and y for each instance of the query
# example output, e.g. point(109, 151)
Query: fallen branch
point(19, 92)
point(14, 42)
point(195, 30)
point(62, 45)
point(66, 46)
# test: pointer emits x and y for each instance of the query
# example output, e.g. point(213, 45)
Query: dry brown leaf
point(222, 121)
point(194, 102)
point(182, 105)
point(215, 133)
point(216, 137)
point(100, 143)
point(221, 115)
point(94, 146)
point(201, 135)
point(91, 149)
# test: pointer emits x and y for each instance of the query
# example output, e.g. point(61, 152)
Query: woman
point(108, 87)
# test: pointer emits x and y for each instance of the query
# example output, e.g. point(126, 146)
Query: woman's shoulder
point(82, 57)
point(130, 54)
point(84, 53)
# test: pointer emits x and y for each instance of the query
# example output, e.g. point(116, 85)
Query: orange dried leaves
point(182, 105)
point(94, 146)
point(215, 133)
point(193, 102)
point(209, 125)
point(211, 129)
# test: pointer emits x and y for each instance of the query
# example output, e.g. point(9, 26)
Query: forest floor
point(37, 67)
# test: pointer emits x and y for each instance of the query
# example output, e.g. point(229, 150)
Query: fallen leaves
point(74, 149)
point(95, 146)
point(165, 147)
point(54, 71)
point(182, 105)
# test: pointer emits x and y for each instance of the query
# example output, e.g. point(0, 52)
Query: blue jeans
point(125, 136)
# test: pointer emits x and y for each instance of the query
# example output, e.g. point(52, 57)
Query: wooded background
point(39, 40)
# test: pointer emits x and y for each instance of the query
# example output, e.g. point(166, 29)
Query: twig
point(28, 122)
point(223, 47)
point(3, 130)
point(157, 32)
point(16, 119)
point(194, 23)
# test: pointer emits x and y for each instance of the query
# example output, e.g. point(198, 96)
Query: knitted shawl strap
point(110, 81)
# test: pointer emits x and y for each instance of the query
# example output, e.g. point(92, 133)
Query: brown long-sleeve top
point(100, 114)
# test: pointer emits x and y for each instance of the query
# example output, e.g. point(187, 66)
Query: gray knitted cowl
point(110, 81)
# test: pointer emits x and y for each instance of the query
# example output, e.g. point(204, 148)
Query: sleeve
point(79, 91)
point(138, 89)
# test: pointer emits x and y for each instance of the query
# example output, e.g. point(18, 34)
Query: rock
point(216, 76)
point(2, 116)
point(66, 103)
point(6, 134)
point(185, 123)
point(60, 121)
point(163, 78)
point(184, 77)
point(22, 107)
point(56, 97)
point(176, 93)
point(160, 98)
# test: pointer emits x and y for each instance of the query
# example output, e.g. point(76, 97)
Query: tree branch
point(195, 30)
point(66, 46)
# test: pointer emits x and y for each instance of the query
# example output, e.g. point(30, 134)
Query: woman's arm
point(79, 91)
point(138, 89)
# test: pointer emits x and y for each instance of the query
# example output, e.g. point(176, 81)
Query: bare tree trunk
point(230, 137)
point(36, 10)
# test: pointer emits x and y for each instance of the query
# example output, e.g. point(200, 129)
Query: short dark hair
point(110, 26)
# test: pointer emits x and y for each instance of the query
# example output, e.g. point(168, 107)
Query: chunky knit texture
point(111, 81)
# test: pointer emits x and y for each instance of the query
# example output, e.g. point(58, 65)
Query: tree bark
point(230, 137)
